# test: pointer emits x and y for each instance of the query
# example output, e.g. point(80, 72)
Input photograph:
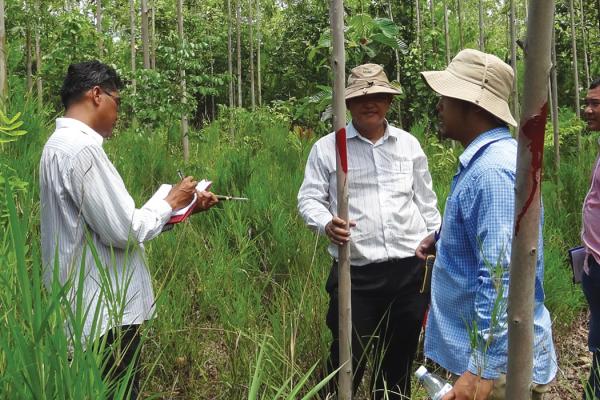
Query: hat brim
point(350, 94)
point(449, 85)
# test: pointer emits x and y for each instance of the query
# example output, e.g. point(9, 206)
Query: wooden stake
point(339, 123)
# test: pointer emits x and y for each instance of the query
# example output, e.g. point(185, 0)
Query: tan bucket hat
point(368, 79)
point(479, 78)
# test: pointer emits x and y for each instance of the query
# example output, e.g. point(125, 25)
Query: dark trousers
point(591, 288)
point(387, 313)
point(122, 350)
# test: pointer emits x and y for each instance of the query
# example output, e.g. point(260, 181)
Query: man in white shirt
point(392, 207)
point(92, 233)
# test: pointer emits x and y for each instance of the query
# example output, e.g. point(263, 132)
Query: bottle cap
point(420, 372)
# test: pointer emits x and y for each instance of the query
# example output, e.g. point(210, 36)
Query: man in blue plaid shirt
point(467, 331)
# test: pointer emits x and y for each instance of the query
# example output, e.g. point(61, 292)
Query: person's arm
point(489, 223)
point(313, 196)
point(105, 205)
point(425, 198)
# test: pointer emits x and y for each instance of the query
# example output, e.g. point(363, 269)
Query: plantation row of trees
point(185, 58)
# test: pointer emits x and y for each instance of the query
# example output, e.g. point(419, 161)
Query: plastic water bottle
point(436, 387)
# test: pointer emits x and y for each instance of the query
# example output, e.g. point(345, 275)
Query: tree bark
point(339, 121)
point(132, 43)
point(99, 26)
point(586, 65)
point(38, 59)
point(239, 51)
point(554, 102)
point(184, 120)
point(513, 56)
point(460, 24)
point(258, 43)
point(527, 199)
point(229, 54)
point(250, 26)
point(575, 67)
point(3, 63)
point(481, 31)
point(152, 35)
point(145, 34)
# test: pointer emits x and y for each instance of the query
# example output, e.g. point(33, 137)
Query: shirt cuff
point(160, 207)
point(486, 365)
point(321, 221)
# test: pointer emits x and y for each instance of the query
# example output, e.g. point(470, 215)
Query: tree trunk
point(419, 33)
point(527, 200)
point(38, 59)
point(513, 56)
point(575, 67)
point(258, 43)
point(446, 33)
point(184, 120)
point(152, 35)
point(481, 32)
point(99, 26)
point(432, 15)
point(239, 51)
point(397, 54)
point(145, 34)
point(132, 43)
point(28, 59)
point(586, 65)
point(339, 124)
point(3, 63)
point(229, 54)
point(554, 102)
point(460, 24)
point(250, 23)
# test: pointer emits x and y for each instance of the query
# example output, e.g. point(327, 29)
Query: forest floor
point(574, 360)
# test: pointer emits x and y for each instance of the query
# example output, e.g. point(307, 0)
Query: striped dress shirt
point(86, 212)
point(390, 194)
point(467, 326)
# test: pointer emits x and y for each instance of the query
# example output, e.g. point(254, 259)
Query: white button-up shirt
point(86, 208)
point(390, 194)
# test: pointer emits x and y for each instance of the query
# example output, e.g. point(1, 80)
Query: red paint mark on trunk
point(340, 144)
point(534, 129)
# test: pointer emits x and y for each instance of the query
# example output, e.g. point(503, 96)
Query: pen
point(180, 174)
point(222, 197)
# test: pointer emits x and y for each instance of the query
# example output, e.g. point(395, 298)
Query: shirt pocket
point(397, 178)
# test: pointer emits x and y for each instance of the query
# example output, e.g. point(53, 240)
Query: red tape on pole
point(340, 144)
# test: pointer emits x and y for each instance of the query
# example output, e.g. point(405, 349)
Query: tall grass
point(240, 288)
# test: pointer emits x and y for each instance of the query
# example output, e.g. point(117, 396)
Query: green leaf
point(385, 40)
point(387, 27)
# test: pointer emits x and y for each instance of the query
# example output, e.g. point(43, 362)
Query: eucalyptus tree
point(481, 29)
point(251, 34)
point(99, 25)
point(524, 252)
point(184, 119)
point(446, 33)
point(258, 45)
point(460, 24)
point(586, 66)
point(132, 13)
point(145, 34)
point(3, 63)
point(229, 54)
point(152, 34)
point(575, 68)
point(38, 57)
point(554, 103)
point(238, 11)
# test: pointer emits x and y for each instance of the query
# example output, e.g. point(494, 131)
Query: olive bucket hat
point(368, 79)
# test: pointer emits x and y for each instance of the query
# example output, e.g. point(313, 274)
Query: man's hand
point(182, 194)
point(205, 201)
point(470, 387)
point(426, 247)
point(337, 232)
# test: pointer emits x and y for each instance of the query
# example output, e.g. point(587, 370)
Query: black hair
point(83, 76)
point(595, 83)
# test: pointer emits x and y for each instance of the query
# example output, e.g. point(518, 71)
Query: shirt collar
point(76, 124)
point(481, 141)
point(351, 132)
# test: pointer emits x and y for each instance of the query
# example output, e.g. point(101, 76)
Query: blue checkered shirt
point(467, 325)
